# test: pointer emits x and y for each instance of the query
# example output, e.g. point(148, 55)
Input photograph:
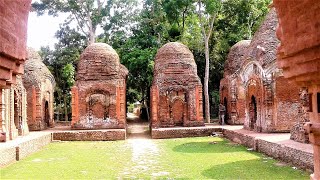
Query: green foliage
point(137, 34)
point(68, 74)
point(184, 158)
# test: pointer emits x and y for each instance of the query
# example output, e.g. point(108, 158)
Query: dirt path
point(145, 152)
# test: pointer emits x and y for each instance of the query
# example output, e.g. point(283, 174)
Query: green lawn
point(195, 158)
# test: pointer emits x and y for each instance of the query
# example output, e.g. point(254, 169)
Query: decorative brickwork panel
point(176, 95)
point(98, 98)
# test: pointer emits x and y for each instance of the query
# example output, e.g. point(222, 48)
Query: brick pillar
point(313, 128)
point(2, 125)
point(299, 57)
point(154, 106)
point(74, 105)
point(39, 119)
point(121, 106)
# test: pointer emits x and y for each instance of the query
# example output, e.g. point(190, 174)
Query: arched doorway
point(253, 112)
point(98, 106)
point(226, 116)
point(177, 111)
point(46, 114)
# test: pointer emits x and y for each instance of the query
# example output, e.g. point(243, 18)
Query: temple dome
point(174, 54)
point(35, 71)
point(263, 47)
point(235, 57)
point(100, 61)
point(175, 66)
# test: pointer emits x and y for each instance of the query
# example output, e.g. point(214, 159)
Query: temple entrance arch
point(177, 111)
point(99, 103)
point(253, 112)
point(46, 114)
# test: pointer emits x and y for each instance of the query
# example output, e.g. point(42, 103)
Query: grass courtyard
point(195, 158)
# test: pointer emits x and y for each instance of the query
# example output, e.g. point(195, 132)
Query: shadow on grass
point(252, 169)
point(208, 147)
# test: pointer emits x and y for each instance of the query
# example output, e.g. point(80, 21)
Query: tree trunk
point(91, 37)
point(206, 83)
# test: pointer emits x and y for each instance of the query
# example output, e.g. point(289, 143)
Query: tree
point(208, 12)
point(138, 51)
point(87, 14)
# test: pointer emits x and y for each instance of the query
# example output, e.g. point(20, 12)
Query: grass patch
point(195, 158)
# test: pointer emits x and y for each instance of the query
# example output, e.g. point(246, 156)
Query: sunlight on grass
point(196, 158)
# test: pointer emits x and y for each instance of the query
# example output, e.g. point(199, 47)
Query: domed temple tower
point(272, 103)
point(13, 40)
point(99, 95)
point(255, 90)
point(39, 83)
point(232, 92)
point(176, 92)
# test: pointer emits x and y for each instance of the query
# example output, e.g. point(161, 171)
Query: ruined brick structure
point(298, 133)
point(299, 57)
point(232, 92)
point(39, 83)
point(13, 38)
point(271, 102)
point(99, 95)
point(176, 92)
point(14, 109)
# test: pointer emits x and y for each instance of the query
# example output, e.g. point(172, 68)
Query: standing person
point(222, 112)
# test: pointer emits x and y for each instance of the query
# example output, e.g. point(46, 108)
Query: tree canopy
point(136, 29)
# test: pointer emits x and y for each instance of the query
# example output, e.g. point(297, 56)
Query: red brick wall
point(286, 104)
point(115, 95)
point(299, 33)
point(13, 38)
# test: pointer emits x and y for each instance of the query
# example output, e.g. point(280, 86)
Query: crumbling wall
point(176, 92)
point(39, 84)
point(99, 96)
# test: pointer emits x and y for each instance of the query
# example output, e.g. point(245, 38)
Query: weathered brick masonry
point(296, 157)
point(99, 96)
point(92, 135)
point(39, 83)
point(232, 90)
point(299, 57)
point(13, 38)
point(182, 132)
point(254, 89)
point(176, 91)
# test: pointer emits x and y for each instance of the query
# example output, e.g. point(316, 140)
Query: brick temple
point(176, 92)
point(254, 90)
point(232, 90)
point(39, 83)
point(99, 95)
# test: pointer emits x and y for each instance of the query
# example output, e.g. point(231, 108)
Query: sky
point(41, 29)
